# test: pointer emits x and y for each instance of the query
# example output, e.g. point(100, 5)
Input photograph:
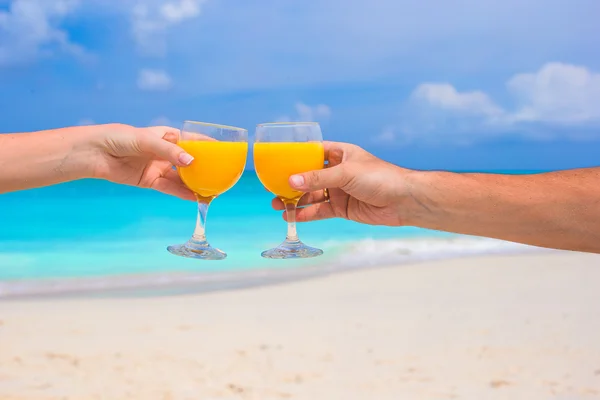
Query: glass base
point(292, 250)
point(197, 250)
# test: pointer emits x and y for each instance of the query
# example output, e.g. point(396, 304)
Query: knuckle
point(170, 137)
point(336, 156)
point(313, 178)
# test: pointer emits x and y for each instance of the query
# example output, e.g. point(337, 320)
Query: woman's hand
point(142, 157)
point(119, 153)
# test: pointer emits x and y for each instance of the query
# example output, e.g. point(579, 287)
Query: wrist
point(412, 197)
point(85, 151)
point(94, 146)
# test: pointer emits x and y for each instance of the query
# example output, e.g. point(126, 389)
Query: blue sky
point(457, 84)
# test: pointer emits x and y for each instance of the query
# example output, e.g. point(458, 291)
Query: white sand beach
point(497, 327)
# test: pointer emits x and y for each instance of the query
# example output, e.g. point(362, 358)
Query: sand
point(511, 327)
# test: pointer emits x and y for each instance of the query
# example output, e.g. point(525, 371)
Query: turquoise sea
point(103, 235)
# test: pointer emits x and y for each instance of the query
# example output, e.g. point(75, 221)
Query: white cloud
point(306, 113)
point(154, 79)
point(31, 29)
point(387, 135)
point(151, 20)
point(557, 93)
point(446, 97)
point(175, 12)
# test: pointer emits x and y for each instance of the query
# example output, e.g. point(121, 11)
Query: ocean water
point(94, 234)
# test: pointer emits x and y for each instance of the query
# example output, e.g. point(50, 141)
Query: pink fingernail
point(185, 158)
point(297, 180)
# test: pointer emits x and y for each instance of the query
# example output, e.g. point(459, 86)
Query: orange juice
point(275, 162)
point(217, 166)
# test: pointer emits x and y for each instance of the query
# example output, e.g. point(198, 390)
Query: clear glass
point(280, 151)
point(220, 154)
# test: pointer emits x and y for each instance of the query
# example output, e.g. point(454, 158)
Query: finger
point(277, 204)
point(172, 188)
point(312, 198)
point(189, 135)
point(314, 212)
point(336, 152)
point(334, 177)
point(173, 176)
point(164, 149)
point(306, 200)
point(171, 137)
point(329, 146)
point(164, 132)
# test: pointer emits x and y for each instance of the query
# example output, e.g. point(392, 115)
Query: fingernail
point(297, 180)
point(185, 159)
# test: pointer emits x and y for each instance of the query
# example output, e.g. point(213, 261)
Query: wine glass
point(280, 151)
point(219, 153)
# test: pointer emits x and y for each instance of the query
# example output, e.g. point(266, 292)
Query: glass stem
point(290, 209)
point(200, 231)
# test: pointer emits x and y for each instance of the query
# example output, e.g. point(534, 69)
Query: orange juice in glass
point(219, 153)
point(217, 166)
point(280, 151)
point(276, 162)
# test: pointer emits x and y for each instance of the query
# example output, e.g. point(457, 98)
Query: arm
point(557, 210)
point(35, 159)
point(119, 153)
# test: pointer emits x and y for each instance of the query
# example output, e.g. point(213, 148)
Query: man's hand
point(557, 209)
point(362, 188)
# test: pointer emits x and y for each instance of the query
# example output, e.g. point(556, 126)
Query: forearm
point(35, 159)
point(557, 210)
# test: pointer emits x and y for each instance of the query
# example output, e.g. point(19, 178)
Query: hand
point(141, 157)
point(362, 188)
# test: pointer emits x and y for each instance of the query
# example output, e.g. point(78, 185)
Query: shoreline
point(363, 254)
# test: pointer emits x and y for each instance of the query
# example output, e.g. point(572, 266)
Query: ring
point(326, 195)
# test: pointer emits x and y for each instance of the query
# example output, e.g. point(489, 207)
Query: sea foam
point(340, 256)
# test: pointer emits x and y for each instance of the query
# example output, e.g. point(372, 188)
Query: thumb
point(334, 177)
point(165, 149)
